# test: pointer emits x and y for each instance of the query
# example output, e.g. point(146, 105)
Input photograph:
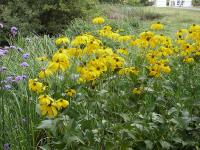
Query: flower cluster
point(7, 54)
point(188, 41)
point(98, 20)
point(157, 26)
point(10, 78)
point(88, 58)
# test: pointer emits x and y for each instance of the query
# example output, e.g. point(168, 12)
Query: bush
point(48, 16)
point(196, 2)
point(129, 2)
point(111, 1)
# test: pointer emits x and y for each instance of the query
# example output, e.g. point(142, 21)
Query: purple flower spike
point(25, 56)
point(6, 146)
point(24, 64)
point(13, 31)
point(1, 25)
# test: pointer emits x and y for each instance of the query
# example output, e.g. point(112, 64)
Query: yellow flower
point(123, 51)
point(124, 38)
point(45, 100)
point(49, 110)
point(36, 86)
point(62, 41)
point(60, 62)
point(98, 20)
point(43, 58)
point(49, 107)
point(188, 60)
point(154, 71)
point(157, 26)
point(45, 73)
point(61, 103)
point(165, 68)
point(70, 92)
point(127, 71)
point(138, 91)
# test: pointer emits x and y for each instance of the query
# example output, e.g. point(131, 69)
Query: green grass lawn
point(173, 18)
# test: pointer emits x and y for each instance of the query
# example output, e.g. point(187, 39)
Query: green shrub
point(133, 2)
point(196, 2)
point(129, 2)
point(42, 16)
point(111, 1)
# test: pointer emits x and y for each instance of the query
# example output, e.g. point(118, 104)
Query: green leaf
point(149, 144)
point(75, 139)
point(125, 117)
point(46, 124)
point(45, 147)
point(157, 118)
point(165, 144)
point(49, 124)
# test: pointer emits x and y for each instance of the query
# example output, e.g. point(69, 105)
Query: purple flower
point(25, 56)
point(13, 47)
point(19, 49)
point(2, 69)
point(2, 53)
point(13, 31)
point(3, 82)
point(9, 78)
point(6, 146)
point(6, 48)
point(7, 87)
point(24, 76)
point(18, 78)
point(1, 25)
point(24, 64)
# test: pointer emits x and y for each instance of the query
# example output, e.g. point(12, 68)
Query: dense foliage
point(117, 82)
point(120, 98)
point(129, 2)
point(196, 2)
point(42, 16)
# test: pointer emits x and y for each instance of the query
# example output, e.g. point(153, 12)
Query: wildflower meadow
point(105, 83)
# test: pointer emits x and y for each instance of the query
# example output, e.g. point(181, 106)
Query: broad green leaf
point(149, 144)
point(165, 144)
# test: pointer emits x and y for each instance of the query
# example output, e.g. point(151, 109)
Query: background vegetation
point(196, 2)
point(47, 17)
point(165, 119)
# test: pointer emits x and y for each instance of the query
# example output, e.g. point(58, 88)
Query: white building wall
point(161, 3)
point(187, 3)
point(180, 3)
